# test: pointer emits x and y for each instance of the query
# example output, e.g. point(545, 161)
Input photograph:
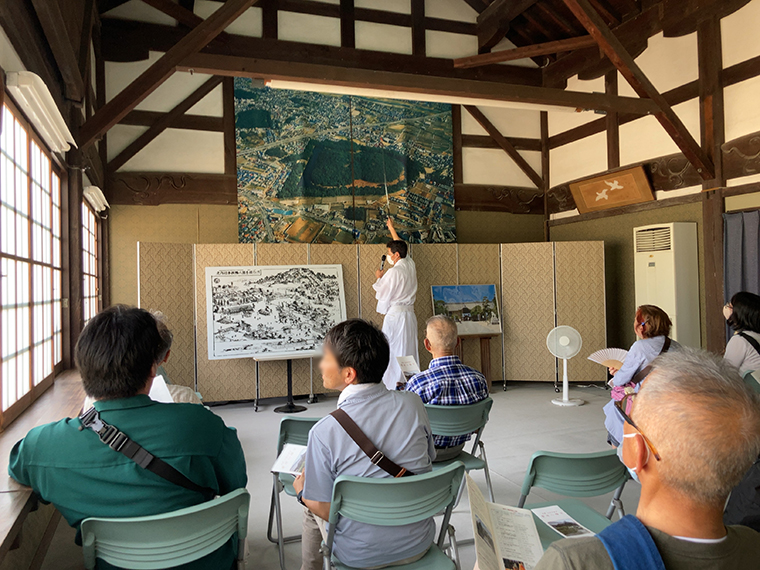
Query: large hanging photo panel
point(324, 168)
point(272, 312)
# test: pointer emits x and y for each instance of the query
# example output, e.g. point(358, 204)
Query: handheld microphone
point(382, 263)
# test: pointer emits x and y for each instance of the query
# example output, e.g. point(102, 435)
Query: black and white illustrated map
point(272, 312)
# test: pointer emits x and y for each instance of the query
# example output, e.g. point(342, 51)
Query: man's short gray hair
point(703, 420)
point(442, 333)
point(167, 338)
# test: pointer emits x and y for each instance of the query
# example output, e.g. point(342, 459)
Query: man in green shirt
point(693, 433)
point(117, 356)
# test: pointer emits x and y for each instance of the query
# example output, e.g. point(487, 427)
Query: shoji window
point(91, 290)
point(30, 265)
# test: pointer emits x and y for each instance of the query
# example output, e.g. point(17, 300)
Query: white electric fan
point(565, 342)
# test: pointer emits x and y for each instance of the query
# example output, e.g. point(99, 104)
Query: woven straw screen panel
point(581, 303)
point(479, 265)
point(220, 380)
point(166, 285)
point(436, 265)
point(527, 305)
point(273, 375)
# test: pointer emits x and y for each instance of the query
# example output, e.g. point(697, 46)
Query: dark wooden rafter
point(181, 14)
point(162, 124)
point(494, 21)
point(612, 122)
point(228, 119)
point(155, 188)
point(52, 21)
point(505, 145)
point(347, 24)
point(161, 70)
point(85, 41)
point(484, 141)
point(397, 81)
point(497, 198)
point(623, 61)
point(523, 52)
point(189, 122)
point(269, 19)
point(418, 27)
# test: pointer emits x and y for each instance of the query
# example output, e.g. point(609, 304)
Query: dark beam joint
point(623, 61)
point(494, 21)
point(505, 145)
point(523, 52)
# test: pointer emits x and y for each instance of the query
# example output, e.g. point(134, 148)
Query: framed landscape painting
point(474, 308)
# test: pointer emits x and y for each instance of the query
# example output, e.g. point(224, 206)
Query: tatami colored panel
point(369, 262)
point(220, 380)
point(479, 265)
point(436, 265)
point(273, 375)
point(579, 266)
point(527, 310)
point(347, 256)
point(166, 285)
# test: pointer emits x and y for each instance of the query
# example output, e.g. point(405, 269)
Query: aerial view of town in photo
point(275, 311)
point(324, 168)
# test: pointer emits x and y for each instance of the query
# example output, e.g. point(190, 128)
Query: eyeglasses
point(627, 418)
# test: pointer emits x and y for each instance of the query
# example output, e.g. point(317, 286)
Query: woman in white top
point(743, 315)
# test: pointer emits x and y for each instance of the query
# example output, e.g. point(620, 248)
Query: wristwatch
point(299, 497)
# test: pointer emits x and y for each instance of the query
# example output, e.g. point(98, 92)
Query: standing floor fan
point(565, 342)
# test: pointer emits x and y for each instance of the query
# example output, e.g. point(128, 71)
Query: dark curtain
point(741, 260)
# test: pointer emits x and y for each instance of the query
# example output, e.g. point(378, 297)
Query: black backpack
point(744, 505)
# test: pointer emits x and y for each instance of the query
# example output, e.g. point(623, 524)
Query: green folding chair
point(170, 539)
point(752, 379)
point(578, 475)
point(292, 430)
point(397, 502)
point(463, 420)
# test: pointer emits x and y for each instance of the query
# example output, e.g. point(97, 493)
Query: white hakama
point(396, 292)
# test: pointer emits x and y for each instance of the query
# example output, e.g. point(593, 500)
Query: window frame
point(58, 167)
point(97, 254)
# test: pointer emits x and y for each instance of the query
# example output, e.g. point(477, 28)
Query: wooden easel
point(485, 353)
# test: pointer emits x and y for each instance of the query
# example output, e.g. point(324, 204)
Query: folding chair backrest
point(166, 540)
point(294, 430)
point(395, 501)
point(752, 379)
point(458, 420)
point(575, 475)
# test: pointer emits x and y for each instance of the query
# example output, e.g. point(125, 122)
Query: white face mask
point(390, 261)
point(649, 453)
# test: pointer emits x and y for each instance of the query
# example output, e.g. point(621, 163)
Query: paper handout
point(560, 521)
point(291, 459)
point(408, 365)
point(505, 537)
point(159, 391)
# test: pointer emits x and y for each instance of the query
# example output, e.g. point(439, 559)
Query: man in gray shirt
point(356, 355)
point(693, 433)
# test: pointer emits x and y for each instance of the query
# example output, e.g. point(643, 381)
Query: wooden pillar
point(74, 235)
point(456, 131)
point(418, 28)
point(228, 122)
point(612, 122)
point(712, 130)
point(269, 23)
point(545, 169)
point(347, 24)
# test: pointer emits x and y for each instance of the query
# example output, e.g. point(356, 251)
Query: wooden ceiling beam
point(505, 145)
point(162, 124)
point(397, 81)
point(181, 14)
point(56, 32)
point(494, 21)
point(160, 71)
point(641, 84)
point(188, 122)
point(523, 52)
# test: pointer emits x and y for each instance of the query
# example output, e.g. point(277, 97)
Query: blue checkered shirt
point(448, 382)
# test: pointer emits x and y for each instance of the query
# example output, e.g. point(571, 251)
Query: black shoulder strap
point(376, 456)
point(752, 341)
point(644, 372)
point(118, 441)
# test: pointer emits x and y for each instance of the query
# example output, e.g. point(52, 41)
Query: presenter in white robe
point(396, 291)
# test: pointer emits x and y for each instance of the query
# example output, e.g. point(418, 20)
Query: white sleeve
point(736, 351)
point(385, 290)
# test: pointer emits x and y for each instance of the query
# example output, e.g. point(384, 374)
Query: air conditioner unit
point(667, 275)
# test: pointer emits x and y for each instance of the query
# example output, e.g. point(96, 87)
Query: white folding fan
point(609, 357)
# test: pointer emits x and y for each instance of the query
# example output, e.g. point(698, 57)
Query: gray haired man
point(693, 433)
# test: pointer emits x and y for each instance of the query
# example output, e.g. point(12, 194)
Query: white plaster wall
point(667, 62)
point(450, 10)
point(739, 33)
point(382, 37)
point(309, 29)
point(645, 138)
point(138, 10)
point(448, 45)
point(247, 24)
point(742, 108)
point(493, 166)
point(400, 6)
point(560, 121)
point(585, 157)
point(510, 122)
point(9, 59)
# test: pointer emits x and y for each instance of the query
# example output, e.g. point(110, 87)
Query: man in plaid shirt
point(447, 382)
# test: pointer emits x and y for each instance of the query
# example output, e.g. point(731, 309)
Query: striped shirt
point(448, 382)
